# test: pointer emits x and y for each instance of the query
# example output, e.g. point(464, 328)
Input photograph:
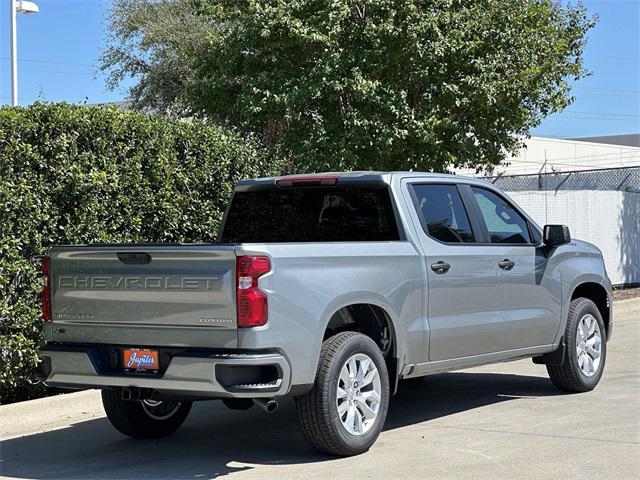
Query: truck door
point(528, 288)
point(462, 302)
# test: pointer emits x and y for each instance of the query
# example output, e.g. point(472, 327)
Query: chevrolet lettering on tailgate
point(137, 282)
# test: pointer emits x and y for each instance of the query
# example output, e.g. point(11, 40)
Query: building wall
point(564, 155)
point(608, 219)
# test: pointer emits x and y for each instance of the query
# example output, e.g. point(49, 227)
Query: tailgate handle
point(134, 258)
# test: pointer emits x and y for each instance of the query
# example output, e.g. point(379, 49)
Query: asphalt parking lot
point(495, 422)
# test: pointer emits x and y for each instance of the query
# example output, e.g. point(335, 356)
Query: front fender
point(577, 268)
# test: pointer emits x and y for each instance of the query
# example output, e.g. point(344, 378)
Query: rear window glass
point(311, 214)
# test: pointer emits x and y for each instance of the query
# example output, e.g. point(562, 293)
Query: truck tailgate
point(172, 295)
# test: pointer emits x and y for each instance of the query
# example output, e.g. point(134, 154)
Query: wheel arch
point(371, 318)
point(598, 294)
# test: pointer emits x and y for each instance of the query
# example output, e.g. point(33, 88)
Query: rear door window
point(504, 223)
point(343, 213)
point(442, 213)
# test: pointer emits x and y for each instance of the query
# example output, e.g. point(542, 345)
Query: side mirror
point(555, 235)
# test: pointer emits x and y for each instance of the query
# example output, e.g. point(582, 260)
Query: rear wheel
point(586, 349)
point(144, 418)
point(345, 411)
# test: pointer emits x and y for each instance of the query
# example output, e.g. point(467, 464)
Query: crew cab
point(329, 288)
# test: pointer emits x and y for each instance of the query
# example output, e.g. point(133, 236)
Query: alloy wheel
point(588, 345)
point(160, 409)
point(358, 394)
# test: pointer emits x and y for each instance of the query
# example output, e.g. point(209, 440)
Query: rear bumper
point(211, 375)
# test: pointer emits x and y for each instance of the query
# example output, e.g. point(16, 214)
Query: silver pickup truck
point(329, 288)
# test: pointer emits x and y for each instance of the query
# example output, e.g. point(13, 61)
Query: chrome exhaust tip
point(269, 405)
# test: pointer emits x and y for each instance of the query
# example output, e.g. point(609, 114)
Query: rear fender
point(353, 298)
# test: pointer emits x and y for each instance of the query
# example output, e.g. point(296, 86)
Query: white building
point(548, 155)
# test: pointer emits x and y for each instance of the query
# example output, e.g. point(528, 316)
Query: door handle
point(506, 264)
point(440, 267)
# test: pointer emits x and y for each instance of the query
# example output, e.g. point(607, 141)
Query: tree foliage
point(347, 84)
point(71, 175)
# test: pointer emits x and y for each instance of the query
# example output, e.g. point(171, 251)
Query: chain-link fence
point(612, 179)
point(599, 206)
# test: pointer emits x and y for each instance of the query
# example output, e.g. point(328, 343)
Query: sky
point(59, 48)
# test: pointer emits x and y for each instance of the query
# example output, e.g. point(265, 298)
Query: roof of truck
point(364, 175)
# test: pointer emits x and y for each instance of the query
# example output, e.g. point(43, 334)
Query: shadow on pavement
point(215, 441)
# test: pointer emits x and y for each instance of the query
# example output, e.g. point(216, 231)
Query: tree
point(73, 174)
point(345, 84)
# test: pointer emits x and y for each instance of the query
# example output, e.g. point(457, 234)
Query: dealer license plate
point(140, 359)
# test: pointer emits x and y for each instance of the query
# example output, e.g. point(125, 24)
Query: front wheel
point(586, 349)
point(144, 418)
point(345, 411)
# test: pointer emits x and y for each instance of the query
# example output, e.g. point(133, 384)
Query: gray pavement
point(502, 421)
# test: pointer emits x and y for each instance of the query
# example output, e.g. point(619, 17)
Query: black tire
point(569, 377)
point(132, 418)
point(318, 411)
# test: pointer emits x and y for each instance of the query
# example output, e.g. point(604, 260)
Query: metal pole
point(14, 54)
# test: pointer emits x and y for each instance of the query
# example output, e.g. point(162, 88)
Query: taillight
point(251, 302)
point(45, 295)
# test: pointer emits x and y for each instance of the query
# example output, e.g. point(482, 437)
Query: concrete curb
point(626, 302)
point(49, 413)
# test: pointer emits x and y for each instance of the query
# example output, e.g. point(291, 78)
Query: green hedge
point(73, 174)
